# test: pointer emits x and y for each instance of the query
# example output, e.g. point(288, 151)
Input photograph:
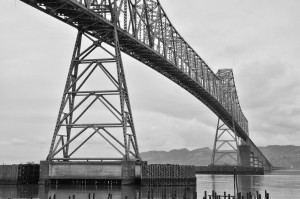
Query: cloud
point(269, 94)
point(19, 141)
point(163, 132)
point(15, 141)
point(266, 82)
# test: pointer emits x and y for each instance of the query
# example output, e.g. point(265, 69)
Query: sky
point(258, 39)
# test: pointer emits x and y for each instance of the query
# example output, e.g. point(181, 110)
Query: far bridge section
point(141, 29)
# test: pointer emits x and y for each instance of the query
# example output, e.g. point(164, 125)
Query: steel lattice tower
point(77, 101)
point(225, 146)
point(226, 143)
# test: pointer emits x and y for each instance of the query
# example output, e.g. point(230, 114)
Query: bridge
point(142, 30)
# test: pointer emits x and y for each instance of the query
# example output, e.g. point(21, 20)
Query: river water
point(280, 184)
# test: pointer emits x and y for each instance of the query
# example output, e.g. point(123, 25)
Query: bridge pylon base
point(245, 159)
point(90, 172)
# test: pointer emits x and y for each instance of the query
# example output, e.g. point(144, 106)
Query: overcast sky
point(258, 39)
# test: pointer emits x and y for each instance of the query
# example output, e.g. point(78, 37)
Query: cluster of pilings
point(239, 195)
point(19, 174)
point(149, 192)
point(167, 175)
point(170, 192)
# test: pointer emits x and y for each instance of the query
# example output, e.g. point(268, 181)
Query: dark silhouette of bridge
point(142, 30)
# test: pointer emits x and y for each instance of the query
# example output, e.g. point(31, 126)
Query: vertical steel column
point(66, 96)
point(124, 98)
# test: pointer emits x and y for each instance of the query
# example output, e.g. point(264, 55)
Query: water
point(280, 184)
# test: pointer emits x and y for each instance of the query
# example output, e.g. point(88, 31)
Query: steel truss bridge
point(142, 30)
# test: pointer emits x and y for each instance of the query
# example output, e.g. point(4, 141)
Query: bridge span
point(142, 30)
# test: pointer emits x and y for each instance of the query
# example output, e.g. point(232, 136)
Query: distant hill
point(178, 156)
point(283, 155)
point(279, 156)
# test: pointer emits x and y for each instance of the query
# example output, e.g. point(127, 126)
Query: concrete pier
point(244, 155)
point(89, 172)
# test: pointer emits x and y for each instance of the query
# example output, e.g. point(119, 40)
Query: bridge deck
point(94, 24)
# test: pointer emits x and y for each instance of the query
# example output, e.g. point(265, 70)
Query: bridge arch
point(152, 39)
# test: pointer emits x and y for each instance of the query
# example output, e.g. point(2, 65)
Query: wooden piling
point(266, 195)
point(239, 195)
point(152, 194)
point(195, 195)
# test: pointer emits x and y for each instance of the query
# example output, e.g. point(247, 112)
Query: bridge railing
point(147, 22)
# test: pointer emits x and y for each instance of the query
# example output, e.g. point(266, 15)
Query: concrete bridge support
point(244, 155)
point(249, 159)
point(90, 172)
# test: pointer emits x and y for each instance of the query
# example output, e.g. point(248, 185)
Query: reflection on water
point(117, 192)
point(225, 183)
point(280, 184)
point(97, 192)
point(13, 191)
